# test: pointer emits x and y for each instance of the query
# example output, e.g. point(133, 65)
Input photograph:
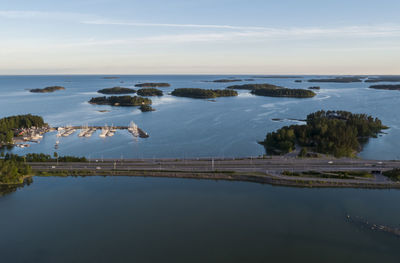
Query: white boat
point(104, 131)
point(133, 128)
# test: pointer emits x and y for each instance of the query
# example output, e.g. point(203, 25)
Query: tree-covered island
point(315, 88)
point(117, 90)
point(274, 91)
point(146, 92)
point(121, 101)
point(383, 79)
point(226, 80)
point(197, 93)
point(385, 87)
point(47, 89)
point(338, 133)
point(15, 125)
point(146, 108)
point(338, 80)
point(153, 85)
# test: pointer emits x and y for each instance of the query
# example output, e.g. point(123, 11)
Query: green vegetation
point(330, 174)
point(120, 101)
point(41, 157)
point(385, 87)
point(274, 91)
point(47, 89)
point(203, 93)
point(149, 92)
point(9, 124)
point(383, 79)
point(146, 108)
point(393, 174)
point(13, 172)
point(117, 90)
point(153, 85)
point(339, 133)
point(338, 80)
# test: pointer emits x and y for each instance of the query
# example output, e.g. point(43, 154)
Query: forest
point(9, 124)
point(203, 93)
point(120, 101)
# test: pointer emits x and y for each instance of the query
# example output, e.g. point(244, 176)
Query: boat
point(104, 131)
point(133, 128)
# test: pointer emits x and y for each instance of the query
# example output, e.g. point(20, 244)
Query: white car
point(330, 162)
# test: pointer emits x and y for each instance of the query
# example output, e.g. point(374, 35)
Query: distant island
point(338, 80)
point(298, 81)
point(117, 90)
point(226, 80)
point(121, 101)
point(197, 93)
point(153, 85)
point(146, 108)
point(315, 88)
point(111, 78)
point(47, 89)
point(385, 87)
point(149, 92)
point(274, 91)
point(278, 77)
point(383, 79)
point(338, 133)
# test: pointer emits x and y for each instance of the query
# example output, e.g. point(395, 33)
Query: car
point(98, 168)
point(330, 162)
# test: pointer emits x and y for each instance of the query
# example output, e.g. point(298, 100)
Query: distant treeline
point(203, 93)
point(384, 79)
point(338, 80)
point(274, 91)
point(117, 90)
point(149, 92)
point(121, 101)
point(385, 87)
point(338, 133)
point(152, 85)
point(47, 89)
point(8, 124)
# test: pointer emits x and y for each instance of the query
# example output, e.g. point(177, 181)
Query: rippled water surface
point(184, 127)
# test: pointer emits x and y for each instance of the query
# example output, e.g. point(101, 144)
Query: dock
point(142, 133)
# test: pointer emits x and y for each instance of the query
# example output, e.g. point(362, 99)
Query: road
point(260, 170)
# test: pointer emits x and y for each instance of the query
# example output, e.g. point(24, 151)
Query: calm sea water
point(125, 219)
point(184, 127)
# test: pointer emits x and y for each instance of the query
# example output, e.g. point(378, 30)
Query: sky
point(199, 37)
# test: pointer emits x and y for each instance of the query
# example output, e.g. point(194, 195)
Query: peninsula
point(153, 85)
point(120, 101)
point(203, 93)
point(20, 126)
point(337, 133)
point(47, 89)
point(117, 90)
point(274, 91)
point(149, 92)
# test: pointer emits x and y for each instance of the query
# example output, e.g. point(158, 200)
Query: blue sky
point(200, 37)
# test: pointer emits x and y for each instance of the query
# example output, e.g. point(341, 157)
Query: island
point(226, 80)
point(383, 79)
point(120, 101)
point(385, 87)
point(110, 77)
point(117, 90)
point(149, 92)
point(315, 88)
point(19, 125)
point(197, 93)
point(298, 81)
point(47, 89)
point(337, 133)
point(153, 85)
point(146, 108)
point(274, 91)
point(338, 80)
